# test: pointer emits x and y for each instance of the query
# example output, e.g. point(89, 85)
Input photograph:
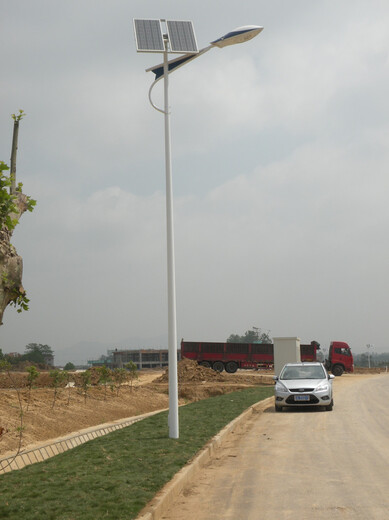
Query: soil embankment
point(44, 419)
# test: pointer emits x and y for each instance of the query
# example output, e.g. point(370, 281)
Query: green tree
point(35, 356)
point(250, 336)
point(38, 353)
point(45, 350)
point(69, 366)
point(264, 337)
point(234, 338)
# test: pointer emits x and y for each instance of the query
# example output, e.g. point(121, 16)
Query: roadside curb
point(159, 505)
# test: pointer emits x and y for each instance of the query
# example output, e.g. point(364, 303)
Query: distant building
point(102, 361)
point(143, 358)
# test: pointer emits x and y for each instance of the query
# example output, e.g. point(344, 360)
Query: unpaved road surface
point(303, 465)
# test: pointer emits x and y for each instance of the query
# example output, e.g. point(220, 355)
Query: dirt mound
point(19, 380)
point(189, 371)
point(44, 380)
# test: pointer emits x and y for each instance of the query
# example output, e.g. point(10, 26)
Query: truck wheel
point(231, 367)
point(206, 364)
point(337, 370)
point(218, 366)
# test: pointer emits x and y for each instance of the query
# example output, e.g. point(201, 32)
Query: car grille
point(301, 389)
point(312, 400)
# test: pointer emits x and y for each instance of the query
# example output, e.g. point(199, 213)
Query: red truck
point(231, 356)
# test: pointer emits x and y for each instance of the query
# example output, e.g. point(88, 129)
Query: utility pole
point(369, 346)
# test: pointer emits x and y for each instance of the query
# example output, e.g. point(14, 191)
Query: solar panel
point(181, 37)
point(148, 36)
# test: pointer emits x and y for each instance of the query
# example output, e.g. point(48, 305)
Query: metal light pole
point(149, 38)
point(171, 277)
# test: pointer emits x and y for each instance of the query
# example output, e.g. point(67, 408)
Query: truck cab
point(340, 358)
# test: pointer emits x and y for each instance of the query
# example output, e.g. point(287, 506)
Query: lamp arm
point(172, 65)
point(151, 101)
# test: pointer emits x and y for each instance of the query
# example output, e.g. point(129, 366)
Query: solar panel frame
point(182, 38)
point(148, 35)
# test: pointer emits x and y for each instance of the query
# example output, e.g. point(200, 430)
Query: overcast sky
point(280, 173)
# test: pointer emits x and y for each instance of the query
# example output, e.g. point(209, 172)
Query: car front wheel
point(330, 406)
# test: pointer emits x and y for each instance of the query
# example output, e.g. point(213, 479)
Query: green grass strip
point(113, 477)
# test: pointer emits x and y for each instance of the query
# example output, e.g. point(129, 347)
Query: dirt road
point(301, 465)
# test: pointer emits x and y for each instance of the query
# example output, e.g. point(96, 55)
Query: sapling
point(85, 382)
point(69, 378)
point(132, 372)
point(33, 374)
point(105, 377)
point(57, 378)
point(119, 376)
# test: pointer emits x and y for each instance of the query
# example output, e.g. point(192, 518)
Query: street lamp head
point(238, 35)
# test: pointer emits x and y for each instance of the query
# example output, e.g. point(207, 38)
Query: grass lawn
point(114, 477)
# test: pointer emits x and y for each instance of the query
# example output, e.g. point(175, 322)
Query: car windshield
point(303, 372)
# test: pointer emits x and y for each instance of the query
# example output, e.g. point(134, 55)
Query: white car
point(303, 384)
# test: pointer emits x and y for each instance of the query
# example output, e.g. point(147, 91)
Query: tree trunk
point(11, 264)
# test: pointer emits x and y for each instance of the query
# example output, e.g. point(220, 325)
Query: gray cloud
point(279, 163)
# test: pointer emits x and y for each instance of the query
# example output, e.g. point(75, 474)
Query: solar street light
point(178, 37)
point(238, 35)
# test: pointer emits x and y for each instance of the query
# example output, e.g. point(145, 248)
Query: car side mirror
point(331, 376)
point(275, 378)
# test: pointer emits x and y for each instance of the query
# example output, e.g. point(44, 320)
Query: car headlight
point(281, 388)
point(324, 387)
